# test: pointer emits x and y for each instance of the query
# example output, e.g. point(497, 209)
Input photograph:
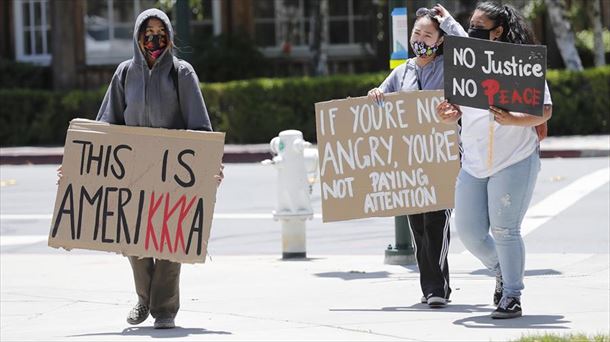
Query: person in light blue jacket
point(431, 229)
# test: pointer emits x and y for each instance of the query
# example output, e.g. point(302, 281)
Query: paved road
point(343, 292)
point(243, 225)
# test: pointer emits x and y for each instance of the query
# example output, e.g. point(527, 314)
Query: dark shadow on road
point(424, 307)
point(158, 333)
point(525, 322)
point(528, 273)
point(300, 259)
point(353, 275)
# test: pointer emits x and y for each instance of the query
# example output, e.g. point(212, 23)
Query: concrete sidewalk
point(551, 147)
point(80, 297)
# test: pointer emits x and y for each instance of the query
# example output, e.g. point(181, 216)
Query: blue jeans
point(500, 202)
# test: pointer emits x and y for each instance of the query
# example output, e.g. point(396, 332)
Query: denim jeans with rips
point(497, 203)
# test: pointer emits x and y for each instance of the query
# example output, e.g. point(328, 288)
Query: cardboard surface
point(385, 161)
point(137, 191)
point(480, 73)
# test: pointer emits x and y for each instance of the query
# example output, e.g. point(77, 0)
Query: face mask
point(421, 49)
point(480, 33)
point(154, 45)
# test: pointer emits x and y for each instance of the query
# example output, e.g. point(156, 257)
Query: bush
point(40, 117)
point(227, 57)
point(24, 75)
point(254, 111)
point(580, 101)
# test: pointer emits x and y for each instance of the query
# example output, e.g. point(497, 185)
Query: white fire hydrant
point(297, 166)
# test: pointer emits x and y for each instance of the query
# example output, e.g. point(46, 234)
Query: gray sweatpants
point(157, 285)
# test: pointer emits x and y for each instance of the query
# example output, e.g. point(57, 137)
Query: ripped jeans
point(500, 202)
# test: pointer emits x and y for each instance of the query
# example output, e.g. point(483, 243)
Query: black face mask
point(153, 42)
point(480, 33)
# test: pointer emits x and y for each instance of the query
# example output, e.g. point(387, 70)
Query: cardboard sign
point(138, 191)
point(480, 73)
point(385, 161)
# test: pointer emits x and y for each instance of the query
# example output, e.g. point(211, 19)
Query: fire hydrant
point(297, 167)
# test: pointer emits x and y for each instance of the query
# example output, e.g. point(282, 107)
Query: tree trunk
point(63, 63)
point(563, 34)
point(598, 41)
point(319, 11)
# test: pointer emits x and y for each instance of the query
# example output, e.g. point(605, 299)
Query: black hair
point(142, 28)
point(516, 29)
point(430, 14)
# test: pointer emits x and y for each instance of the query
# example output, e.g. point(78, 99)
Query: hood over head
point(151, 13)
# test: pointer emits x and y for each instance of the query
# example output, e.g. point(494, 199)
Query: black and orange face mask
point(154, 45)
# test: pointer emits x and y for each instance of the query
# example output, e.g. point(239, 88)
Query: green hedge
point(24, 75)
point(254, 111)
point(581, 101)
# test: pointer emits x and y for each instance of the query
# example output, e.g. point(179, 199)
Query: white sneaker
point(164, 323)
point(436, 302)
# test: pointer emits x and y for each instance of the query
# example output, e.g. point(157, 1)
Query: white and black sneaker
point(436, 301)
point(509, 307)
point(138, 314)
point(423, 300)
point(498, 290)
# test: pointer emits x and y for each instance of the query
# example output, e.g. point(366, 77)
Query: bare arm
point(507, 118)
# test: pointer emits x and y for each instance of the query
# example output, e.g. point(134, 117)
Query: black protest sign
point(481, 73)
point(137, 191)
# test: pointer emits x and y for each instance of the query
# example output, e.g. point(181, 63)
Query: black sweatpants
point(431, 237)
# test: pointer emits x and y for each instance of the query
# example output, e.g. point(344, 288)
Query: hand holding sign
point(503, 117)
point(448, 113)
point(137, 191)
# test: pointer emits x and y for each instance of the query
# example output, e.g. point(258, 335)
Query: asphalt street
point(243, 223)
point(343, 291)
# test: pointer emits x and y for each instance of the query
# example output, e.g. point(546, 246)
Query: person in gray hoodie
point(155, 89)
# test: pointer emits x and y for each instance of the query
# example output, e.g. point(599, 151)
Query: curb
point(241, 154)
point(41, 159)
point(574, 153)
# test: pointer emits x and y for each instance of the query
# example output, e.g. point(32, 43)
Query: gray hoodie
point(148, 97)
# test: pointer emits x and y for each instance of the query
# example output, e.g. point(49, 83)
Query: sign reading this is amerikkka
point(137, 191)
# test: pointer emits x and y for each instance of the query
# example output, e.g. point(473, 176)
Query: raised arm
point(448, 24)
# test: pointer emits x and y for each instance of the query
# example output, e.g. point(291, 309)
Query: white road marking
point(24, 217)
point(16, 240)
point(217, 216)
point(561, 200)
